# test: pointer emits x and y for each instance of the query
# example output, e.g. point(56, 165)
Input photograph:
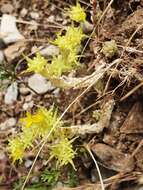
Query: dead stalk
point(97, 167)
point(131, 92)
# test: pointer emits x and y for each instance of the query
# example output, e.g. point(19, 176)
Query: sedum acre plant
point(69, 46)
point(77, 13)
point(63, 152)
point(37, 125)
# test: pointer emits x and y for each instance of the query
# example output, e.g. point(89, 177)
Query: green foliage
point(109, 48)
point(33, 126)
point(37, 125)
point(37, 64)
point(68, 44)
point(77, 13)
point(36, 187)
point(3, 75)
point(71, 40)
point(18, 184)
point(50, 177)
point(72, 178)
point(96, 115)
point(17, 149)
point(64, 152)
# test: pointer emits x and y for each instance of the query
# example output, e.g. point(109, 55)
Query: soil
point(118, 149)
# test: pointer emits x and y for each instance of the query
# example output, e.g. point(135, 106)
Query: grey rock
point(9, 30)
point(7, 8)
point(51, 18)
point(23, 12)
point(8, 123)
point(28, 105)
point(11, 94)
point(34, 15)
point(28, 163)
point(24, 90)
point(87, 27)
point(50, 50)
point(39, 84)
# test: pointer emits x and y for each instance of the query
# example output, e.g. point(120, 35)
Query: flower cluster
point(68, 44)
point(77, 13)
point(37, 125)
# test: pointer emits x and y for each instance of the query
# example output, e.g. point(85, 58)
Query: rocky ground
point(117, 141)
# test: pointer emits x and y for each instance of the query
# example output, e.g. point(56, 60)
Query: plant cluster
point(68, 44)
point(109, 48)
point(37, 125)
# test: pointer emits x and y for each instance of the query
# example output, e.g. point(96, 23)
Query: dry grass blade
point(132, 91)
point(98, 170)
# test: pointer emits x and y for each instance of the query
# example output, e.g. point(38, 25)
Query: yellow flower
point(30, 119)
point(37, 64)
point(77, 13)
point(71, 40)
point(16, 149)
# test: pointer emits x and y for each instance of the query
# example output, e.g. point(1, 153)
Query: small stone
point(8, 123)
point(34, 15)
point(28, 163)
point(11, 94)
point(39, 84)
point(35, 179)
point(50, 50)
point(14, 51)
point(87, 27)
point(51, 18)
point(7, 8)
point(2, 155)
point(23, 12)
point(9, 30)
point(27, 106)
point(24, 91)
point(56, 92)
point(59, 184)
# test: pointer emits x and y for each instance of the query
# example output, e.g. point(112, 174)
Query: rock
point(51, 18)
point(8, 29)
point(50, 50)
point(35, 179)
point(113, 158)
point(39, 84)
point(15, 50)
point(11, 94)
point(34, 15)
point(23, 12)
point(56, 92)
point(24, 91)
point(7, 8)
point(8, 123)
point(28, 163)
point(87, 27)
point(28, 105)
